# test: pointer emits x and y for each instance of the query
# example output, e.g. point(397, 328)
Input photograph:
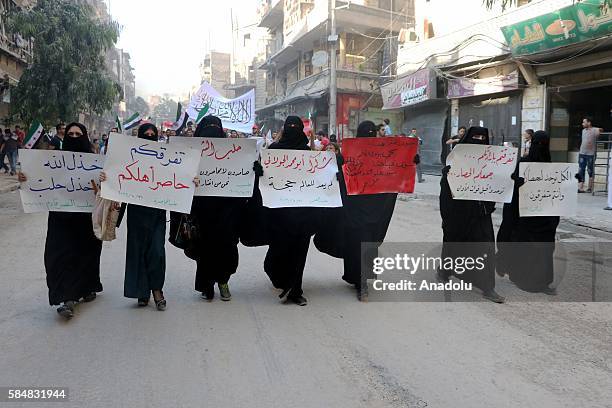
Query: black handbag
point(183, 231)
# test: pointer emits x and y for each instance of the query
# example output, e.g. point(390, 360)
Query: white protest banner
point(59, 181)
point(482, 172)
point(237, 114)
point(550, 189)
point(226, 166)
point(299, 178)
point(151, 174)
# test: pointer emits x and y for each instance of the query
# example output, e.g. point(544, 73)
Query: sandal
point(160, 304)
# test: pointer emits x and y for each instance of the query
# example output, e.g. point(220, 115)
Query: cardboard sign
point(550, 189)
point(299, 178)
point(226, 166)
point(58, 180)
point(482, 172)
point(379, 165)
point(151, 174)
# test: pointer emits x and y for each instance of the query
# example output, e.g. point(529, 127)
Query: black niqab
point(210, 126)
point(539, 151)
point(79, 144)
point(293, 137)
point(143, 128)
point(468, 138)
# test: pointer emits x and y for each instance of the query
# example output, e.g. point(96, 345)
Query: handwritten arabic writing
point(59, 181)
point(483, 173)
point(379, 165)
point(297, 178)
point(549, 189)
point(158, 175)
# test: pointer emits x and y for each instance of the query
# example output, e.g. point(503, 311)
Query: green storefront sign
point(570, 25)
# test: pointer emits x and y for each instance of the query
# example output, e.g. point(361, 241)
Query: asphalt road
point(256, 352)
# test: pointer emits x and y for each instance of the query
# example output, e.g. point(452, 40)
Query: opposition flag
point(178, 111)
point(118, 122)
point(33, 135)
point(132, 122)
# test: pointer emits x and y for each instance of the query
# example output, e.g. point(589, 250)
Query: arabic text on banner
point(482, 172)
point(549, 190)
point(59, 181)
point(379, 165)
point(236, 114)
point(299, 178)
point(226, 166)
point(151, 174)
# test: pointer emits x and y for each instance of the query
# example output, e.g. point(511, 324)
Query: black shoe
point(493, 296)
point(143, 302)
point(209, 292)
point(549, 291)
point(362, 295)
point(224, 292)
point(66, 310)
point(298, 300)
point(90, 298)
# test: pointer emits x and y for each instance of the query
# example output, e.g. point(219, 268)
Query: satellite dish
point(319, 59)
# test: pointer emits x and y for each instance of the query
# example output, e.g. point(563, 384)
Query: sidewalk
point(8, 183)
point(590, 214)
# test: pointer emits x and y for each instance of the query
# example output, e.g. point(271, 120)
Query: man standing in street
point(586, 158)
point(10, 147)
point(388, 131)
point(413, 134)
point(56, 141)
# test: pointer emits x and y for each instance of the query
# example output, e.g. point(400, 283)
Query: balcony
point(271, 13)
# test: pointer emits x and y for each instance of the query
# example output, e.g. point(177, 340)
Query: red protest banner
point(379, 165)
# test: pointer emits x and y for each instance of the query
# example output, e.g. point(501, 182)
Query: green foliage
point(68, 74)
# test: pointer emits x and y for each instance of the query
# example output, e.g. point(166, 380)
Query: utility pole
point(333, 79)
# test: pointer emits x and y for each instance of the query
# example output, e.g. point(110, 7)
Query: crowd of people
point(72, 252)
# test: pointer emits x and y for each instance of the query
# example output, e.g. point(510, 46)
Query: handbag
point(184, 231)
point(104, 217)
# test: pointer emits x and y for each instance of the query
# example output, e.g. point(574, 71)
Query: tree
point(141, 106)
point(509, 3)
point(165, 111)
point(68, 74)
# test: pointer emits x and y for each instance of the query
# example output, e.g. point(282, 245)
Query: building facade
point(297, 62)
point(15, 55)
point(525, 68)
point(216, 69)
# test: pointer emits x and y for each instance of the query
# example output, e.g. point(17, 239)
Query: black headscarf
point(468, 138)
point(143, 128)
point(367, 128)
point(77, 144)
point(293, 135)
point(539, 151)
point(210, 126)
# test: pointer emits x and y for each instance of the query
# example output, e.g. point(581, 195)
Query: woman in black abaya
point(72, 251)
point(468, 229)
point(217, 219)
point(526, 244)
point(366, 220)
point(290, 229)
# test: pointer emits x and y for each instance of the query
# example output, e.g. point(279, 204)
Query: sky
point(167, 39)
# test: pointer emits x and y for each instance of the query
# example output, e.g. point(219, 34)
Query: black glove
point(257, 168)
point(417, 159)
point(338, 176)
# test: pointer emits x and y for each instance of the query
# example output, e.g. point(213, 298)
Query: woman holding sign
point(527, 244)
point(145, 257)
point(366, 219)
point(468, 229)
point(72, 251)
point(290, 228)
point(217, 219)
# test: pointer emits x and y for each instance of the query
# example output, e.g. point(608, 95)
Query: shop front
point(416, 97)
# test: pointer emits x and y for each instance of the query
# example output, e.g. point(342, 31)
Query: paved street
point(255, 352)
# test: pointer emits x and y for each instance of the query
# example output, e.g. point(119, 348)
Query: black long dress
point(526, 245)
point(72, 251)
point(289, 232)
point(467, 221)
point(216, 252)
